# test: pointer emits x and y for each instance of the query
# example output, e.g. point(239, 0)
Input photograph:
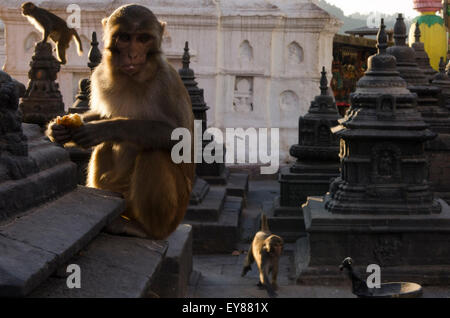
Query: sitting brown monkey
point(54, 27)
point(265, 250)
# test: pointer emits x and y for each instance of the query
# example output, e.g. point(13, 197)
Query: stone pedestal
point(381, 210)
point(42, 101)
point(407, 248)
point(316, 166)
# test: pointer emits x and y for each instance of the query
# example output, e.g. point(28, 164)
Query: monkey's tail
point(264, 223)
point(78, 42)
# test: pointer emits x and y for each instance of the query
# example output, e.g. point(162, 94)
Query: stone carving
point(368, 161)
point(246, 52)
point(422, 58)
point(243, 94)
point(386, 163)
point(295, 53)
point(42, 100)
point(14, 163)
point(289, 101)
point(81, 103)
point(316, 152)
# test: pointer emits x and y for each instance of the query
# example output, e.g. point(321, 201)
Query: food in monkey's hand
point(70, 121)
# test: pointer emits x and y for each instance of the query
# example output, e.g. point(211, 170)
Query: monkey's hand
point(92, 134)
point(58, 133)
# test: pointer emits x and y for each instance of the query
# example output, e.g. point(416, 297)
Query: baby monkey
point(265, 250)
point(54, 27)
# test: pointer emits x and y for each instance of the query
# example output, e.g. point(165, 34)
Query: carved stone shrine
point(442, 80)
point(422, 58)
point(42, 101)
point(81, 104)
point(381, 210)
point(317, 164)
point(215, 203)
point(429, 105)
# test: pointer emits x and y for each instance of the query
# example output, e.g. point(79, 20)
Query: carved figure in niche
point(243, 95)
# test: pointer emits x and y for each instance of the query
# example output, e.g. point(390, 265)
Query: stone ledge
point(172, 280)
point(49, 235)
point(111, 267)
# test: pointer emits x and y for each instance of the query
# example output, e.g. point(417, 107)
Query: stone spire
point(197, 98)
point(81, 104)
point(317, 151)
point(379, 135)
point(422, 58)
point(214, 172)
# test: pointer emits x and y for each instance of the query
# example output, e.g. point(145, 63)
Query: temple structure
point(381, 210)
point(422, 58)
point(317, 164)
point(275, 48)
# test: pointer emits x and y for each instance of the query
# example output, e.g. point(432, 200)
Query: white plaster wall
point(215, 30)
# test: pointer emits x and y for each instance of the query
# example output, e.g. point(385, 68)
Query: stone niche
point(281, 44)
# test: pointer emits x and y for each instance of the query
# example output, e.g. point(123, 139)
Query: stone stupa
point(381, 210)
point(317, 164)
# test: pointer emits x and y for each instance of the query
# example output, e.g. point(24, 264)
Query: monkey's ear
point(104, 22)
point(163, 26)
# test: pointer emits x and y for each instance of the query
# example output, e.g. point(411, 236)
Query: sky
point(382, 6)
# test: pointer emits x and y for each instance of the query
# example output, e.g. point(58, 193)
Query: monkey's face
point(132, 50)
point(274, 245)
point(132, 34)
point(27, 8)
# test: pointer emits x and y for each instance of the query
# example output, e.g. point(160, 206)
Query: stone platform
point(34, 245)
point(218, 231)
point(127, 267)
point(407, 247)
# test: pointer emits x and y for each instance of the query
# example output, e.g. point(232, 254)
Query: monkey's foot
point(121, 226)
point(260, 285)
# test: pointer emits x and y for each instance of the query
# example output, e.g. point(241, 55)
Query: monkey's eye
point(144, 38)
point(124, 37)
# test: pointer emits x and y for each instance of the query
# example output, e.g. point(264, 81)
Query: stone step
point(111, 267)
point(173, 278)
point(238, 185)
point(34, 245)
point(210, 207)
point(221, 236)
